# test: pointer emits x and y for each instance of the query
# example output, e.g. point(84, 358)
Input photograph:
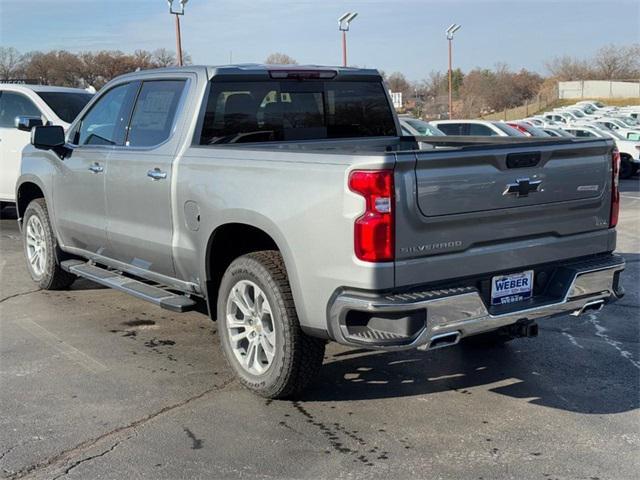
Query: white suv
point(22, 107)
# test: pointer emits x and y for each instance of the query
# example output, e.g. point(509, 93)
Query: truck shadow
point(545, 376)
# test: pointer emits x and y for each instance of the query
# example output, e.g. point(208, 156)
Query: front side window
point(105, 123)
point(154, 112)
point(265, 111)
point(13, 105)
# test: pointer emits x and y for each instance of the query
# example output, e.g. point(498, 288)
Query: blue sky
point(393, 35)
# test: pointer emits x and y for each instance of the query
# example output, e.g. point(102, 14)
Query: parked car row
point(596, 120)
point(584, 119)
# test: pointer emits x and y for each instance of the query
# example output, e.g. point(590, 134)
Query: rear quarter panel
point(300, 199)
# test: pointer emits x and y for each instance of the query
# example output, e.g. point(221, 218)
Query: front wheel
point(259, 330)
point(41, 249)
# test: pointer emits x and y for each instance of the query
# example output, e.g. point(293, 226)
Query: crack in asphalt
point(6, 452)
point(64, 456)
point(87, 459)
point(19, 295)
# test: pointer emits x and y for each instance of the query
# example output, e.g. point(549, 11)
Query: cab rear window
point(266, 111)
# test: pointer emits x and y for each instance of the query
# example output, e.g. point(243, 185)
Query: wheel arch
point(231, 240)
point(27, 190)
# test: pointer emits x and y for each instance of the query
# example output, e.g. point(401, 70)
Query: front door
point(138, 181)
point(79, 186)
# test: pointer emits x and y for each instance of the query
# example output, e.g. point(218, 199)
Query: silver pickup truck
point(286, 201)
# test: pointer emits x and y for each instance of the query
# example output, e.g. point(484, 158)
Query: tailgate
point(492, 201)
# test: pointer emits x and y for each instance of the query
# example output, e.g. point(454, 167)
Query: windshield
point(263, 111)
point(66, 105)
point(535, 131)
point(423, 127)
point(512, 132)
point(578, 113)
point(629, 121)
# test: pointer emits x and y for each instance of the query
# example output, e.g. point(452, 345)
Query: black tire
point(52, 277)
point(297, 357)
point(626, 167)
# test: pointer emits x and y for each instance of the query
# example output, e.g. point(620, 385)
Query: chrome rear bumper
point(441, 317)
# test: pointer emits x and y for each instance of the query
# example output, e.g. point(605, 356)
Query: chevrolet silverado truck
point(287, 201)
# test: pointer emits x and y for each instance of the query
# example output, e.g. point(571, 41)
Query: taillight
point(374, 230)
point(615, 191)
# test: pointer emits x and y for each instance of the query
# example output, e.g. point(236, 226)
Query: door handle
point(96, 168)
point(157, 174)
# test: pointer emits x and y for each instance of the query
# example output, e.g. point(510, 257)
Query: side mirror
point(47, 137)
point(27, 122)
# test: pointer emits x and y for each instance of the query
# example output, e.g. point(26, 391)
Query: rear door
point(138, 182)
point(479, 200)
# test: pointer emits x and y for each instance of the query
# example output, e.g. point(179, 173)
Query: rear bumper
point(427, 318)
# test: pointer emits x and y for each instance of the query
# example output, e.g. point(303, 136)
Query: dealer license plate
point(511, 288)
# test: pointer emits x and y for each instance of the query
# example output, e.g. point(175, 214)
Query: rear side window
point(66, 105)
point(13, 105)
point(154, 112)
point(452, 128)
point(481, 130)
point(265, 111)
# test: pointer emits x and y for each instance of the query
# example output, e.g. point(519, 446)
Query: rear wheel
point(41, 249)
point(259, 330)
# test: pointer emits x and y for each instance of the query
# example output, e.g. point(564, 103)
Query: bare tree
point(10, 63)
point(163, 58)
point(617, 63)
point(569, 68)
point(280, 59)
point(398, 83)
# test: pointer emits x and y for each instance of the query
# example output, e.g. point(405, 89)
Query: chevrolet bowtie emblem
point(523, 187)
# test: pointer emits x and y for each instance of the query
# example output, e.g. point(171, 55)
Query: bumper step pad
point(113, 279)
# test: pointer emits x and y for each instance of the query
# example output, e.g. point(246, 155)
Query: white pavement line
point(600, 332)
point(629, 196)
point(72, 353)
point(572, 339)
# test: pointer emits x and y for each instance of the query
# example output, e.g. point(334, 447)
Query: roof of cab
point(16, 87)
point(256, 71)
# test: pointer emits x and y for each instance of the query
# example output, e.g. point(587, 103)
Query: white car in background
point(617, 125)
point(629, 150)
point(480, 128)
point(23, 107)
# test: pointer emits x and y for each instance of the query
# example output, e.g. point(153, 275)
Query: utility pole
point(178, 12)
point(343, 25)
point(453, 28)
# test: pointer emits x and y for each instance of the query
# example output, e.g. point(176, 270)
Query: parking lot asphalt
point(95, 384)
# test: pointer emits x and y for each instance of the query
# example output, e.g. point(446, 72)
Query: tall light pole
point(453, 28)
point(343, 25)
point(177, 12)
